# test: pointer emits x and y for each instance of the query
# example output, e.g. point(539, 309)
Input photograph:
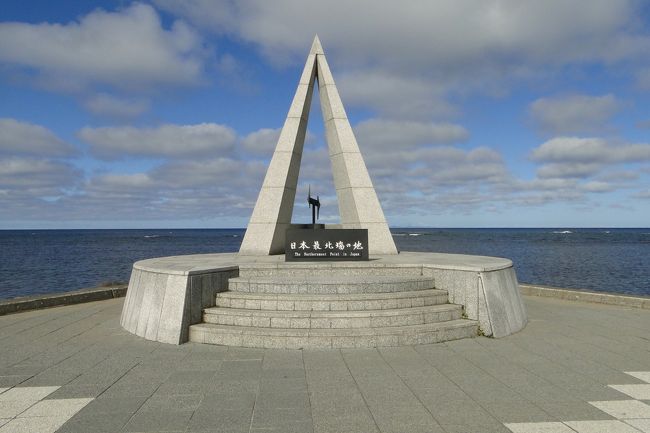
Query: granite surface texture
point(358, 203)
point(576, 367)
point(166, 295)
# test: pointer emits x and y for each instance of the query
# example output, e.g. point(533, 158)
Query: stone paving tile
point(269, 416)
point(244, 353)
point(284, 382)
point(27, 393)
point(521, 411)
point(64, 407)
point(285, 427)
point(467, 411)
point(360, 423)
point(158, 421)
point(105, 405)
point(283, 398)
point(13, 380)
point(575, 410)
point(565, 358)
point(540, 427)
point(614, 426)
point(487, 427)
point(392, 404)
point(186, 377)
point(224, 419)
point(220, 429)
point(45, 424)
point(643, 375)
point(231, 387)
point(244, 400)
point(405, 420)
point(100, 422)
point(173, 402)
point(642, 425)
point(11, 408)
point(134, 389)
point(209, 365)
point(638, 392)
point(77, 391)
point(623, 409)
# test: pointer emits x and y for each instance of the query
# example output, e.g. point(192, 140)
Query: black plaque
point(318, 245)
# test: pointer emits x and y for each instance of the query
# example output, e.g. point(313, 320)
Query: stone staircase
point(294, 307)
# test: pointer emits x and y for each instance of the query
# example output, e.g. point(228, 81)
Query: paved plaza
point(575, 367)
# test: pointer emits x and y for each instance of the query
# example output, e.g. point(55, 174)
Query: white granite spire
point(358, 203)
point(316, 47)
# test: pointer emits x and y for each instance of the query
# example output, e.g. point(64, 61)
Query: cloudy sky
point(469, 113)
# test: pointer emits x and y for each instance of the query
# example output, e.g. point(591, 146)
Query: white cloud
point(549, 31)
point(498, 40)
point(217, 17)
point(436, 167)
point(545, 184)
point(394, 96)
point(195, 189)
point(112, 106)
point(589, 150)
point(203, 177)
point(234, 176)
point(575, 149)
point(569, 170)
point(619, 176)
point(177, 141)
point(376, 134)
point(121, 183)
point(124, 49)
point(597, 186)
point(580, 158)
point(429, 176)
point(574, 113)
point(21, 177)
point(418, 60)
point(23, 138)
point(261, 142)
point(643, 195)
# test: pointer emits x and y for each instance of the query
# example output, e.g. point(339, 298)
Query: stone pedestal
point(409, 298)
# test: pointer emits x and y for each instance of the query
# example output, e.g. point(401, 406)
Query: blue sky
point(468, 113)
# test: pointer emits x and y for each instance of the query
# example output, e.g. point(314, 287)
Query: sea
point(601, 259)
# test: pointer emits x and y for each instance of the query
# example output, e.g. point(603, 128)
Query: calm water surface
point(43, 261)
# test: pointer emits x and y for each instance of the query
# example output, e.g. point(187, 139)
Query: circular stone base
point(262, 301)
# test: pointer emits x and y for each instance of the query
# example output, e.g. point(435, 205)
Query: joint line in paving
point(359, 389)
point(304, 367)
point(381, 355)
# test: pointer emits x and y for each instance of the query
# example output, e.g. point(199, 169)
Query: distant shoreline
point(37, 302)
point(608, 298)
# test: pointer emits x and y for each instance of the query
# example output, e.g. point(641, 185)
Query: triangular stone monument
point(358, 203)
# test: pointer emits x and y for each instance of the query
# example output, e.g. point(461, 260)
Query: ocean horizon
point(607, 259)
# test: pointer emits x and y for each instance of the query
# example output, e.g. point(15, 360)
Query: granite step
point(287, 338)
point(338, 269)
point(328, 284)
point(332, 319)
point(358, 301)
